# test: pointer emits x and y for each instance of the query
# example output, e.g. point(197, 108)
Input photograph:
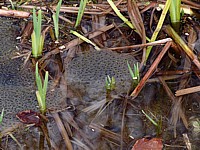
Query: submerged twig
point(63, 131)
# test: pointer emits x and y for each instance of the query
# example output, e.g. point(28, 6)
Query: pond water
point(93, 118)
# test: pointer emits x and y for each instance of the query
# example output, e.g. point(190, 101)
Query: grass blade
point(38, 79)
point(150, 118)
point(80, 12)
point(158, 27)
point(85, 39)
point(1, 116)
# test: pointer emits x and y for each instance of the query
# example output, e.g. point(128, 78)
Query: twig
point(62, 131)
point(187, 91)
point(159, 42)
point(14, 13)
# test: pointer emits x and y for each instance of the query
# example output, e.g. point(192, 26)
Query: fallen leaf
point(146, 144)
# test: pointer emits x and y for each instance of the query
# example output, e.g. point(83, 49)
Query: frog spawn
point(86, 72)
point(17, 83)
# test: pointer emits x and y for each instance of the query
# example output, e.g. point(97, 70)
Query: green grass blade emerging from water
point(80, 12)
point(36, 36)
point(175, 14)
point(1, 116)
point(56, 19)
point(159, 26)
point(42, 90)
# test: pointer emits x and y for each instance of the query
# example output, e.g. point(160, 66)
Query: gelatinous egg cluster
point(87, 72)
point(17, 83)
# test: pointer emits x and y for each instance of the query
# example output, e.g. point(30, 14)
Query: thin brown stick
point(14, 13)
point(114, 137)
point(62, 131)
point(159, 42)
point(187, 91)
point(151, 70)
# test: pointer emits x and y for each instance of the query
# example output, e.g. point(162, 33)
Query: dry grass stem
point(114, 137)
point(159, 42)
point(187, 91)
point(62, 131)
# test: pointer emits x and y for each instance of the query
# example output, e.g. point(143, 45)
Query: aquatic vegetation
point(159, 26)
point(1, 116)
point(157, 123)
point(56, 19)
point(36, 37)
point(175, 14)
point(86, 72)
point(80, 12)
point(134, 74)
point(13, 7)
point(110, 83)
point(42, 89)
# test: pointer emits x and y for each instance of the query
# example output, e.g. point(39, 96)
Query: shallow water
point(86, 73)
point(85, 76)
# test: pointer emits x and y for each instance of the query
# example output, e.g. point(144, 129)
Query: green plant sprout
point(135, 75)
point(110, 83)
point(1, 116)
point(56, 19)
point(42, 90)
point(36, 36)
point(80, 12)
point(12, 5)
point(158, 124)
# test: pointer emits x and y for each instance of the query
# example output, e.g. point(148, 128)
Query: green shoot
point(85, 39)
point(159, 26)
point(12, 5)
point(80, 12)
point(37, 37)
point(150, 119)
point(134, 74)
point(158, 124)
point(42, 90)
point(175, 13)
point(56, 19)
point(1, 116)
point(110, 83)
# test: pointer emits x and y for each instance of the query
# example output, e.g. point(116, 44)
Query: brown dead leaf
point(146, 144)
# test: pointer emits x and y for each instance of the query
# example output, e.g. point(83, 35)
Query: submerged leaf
point(145, 144)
